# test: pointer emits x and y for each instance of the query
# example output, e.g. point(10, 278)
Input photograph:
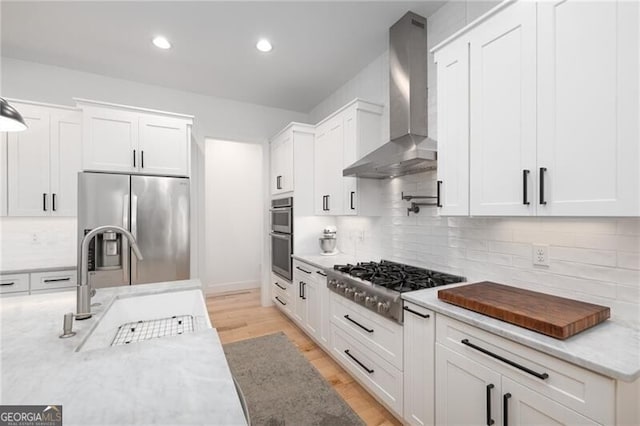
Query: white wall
point(234, 215)
point(592, 259)
point(214, 117)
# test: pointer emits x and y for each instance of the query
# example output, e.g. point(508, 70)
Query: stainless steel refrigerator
point(156, 211)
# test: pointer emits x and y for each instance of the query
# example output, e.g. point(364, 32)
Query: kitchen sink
point(131, 319)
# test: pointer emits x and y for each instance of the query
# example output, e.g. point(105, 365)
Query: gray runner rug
point(282, 388)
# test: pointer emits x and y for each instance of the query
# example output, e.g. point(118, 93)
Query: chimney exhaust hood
point(409, 150)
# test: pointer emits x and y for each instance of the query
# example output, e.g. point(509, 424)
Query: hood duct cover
point(409, 150)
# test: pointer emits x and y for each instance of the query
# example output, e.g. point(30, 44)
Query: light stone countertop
point(29, 270)
point(172, 380)
point(609, 348)
point(327, 262)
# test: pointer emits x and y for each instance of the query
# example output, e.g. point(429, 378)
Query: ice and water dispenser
point(106, 258)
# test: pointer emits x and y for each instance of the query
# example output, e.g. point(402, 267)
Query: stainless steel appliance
point(409, 150)
point(378, 285)
point(282, 237)
point(155, 209)
point(328, 241)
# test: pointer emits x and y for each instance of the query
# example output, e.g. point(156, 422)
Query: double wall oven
point(282, 237)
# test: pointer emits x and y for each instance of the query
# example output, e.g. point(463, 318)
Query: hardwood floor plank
point(239, 316)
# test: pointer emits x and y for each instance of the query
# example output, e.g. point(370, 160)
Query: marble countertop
point(29, 270)
point(327, 262)
point(172, 380)
point(609, 348)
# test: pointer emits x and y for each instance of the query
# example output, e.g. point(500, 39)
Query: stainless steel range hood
point(409, 150)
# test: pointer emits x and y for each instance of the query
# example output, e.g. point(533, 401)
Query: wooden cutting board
point(551, 315)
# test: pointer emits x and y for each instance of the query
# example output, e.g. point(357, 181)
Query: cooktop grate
point(145, 330)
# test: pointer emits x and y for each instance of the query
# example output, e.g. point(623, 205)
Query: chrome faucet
point(83, 303)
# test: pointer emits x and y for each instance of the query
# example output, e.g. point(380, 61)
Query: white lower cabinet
point(53, 280)
point(281, 294)
point(419, 343)
point(14, 284)
point(482, 377)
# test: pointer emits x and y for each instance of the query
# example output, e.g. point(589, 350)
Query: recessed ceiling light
point(263, 45)
point(161, 42)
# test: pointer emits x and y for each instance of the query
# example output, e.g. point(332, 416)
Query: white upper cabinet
point(588, 108)
point(502, 112)
point(342, 139)
point(164, 145)
point(282, 179)
point(43, 162)
point(134, 140)
point(453, 129)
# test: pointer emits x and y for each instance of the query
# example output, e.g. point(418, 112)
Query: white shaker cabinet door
point(588, 108)
point(110, 139)
point(66, 161)
point(164, 148)
point(453, 129)
point(502, 115)
point(28, 168)
point(524, 407)
point(465, 390)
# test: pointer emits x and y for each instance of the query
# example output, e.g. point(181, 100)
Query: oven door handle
point(280, 236)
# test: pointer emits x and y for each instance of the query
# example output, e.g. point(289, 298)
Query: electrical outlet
point(541, 254)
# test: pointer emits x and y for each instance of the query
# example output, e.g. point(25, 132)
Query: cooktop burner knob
point(349, 292)
point(371, 301)
point(340, 286)
point(359, 296)
point(333, 283)
point(383, 307)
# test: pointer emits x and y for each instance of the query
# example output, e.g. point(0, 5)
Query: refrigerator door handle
point(124, 243)
point(134, 216)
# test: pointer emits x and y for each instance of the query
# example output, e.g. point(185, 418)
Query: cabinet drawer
point(581, 390)
point(51, 280)
point(303, 271)
point(377, 375)
point(14, 283)
point(378, 334)
point(280, 293)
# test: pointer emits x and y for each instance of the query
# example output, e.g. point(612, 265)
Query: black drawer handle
point(542, 172)
point(55, 280)
point(303, 270)
point(541, 376)
point(8, 284)
point(321, 273)
point(505, 409)
point(525, 187)
point(490, 421)
point(280, 287)
point(367, 369)
point(281, 302)
point(368, 330)
point(408, 309)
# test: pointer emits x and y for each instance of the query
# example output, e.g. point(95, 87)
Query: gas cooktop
point(377, 285)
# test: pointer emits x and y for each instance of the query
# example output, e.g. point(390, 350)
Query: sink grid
point(145, 330)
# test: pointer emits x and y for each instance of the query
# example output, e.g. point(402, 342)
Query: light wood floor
point(239, 316)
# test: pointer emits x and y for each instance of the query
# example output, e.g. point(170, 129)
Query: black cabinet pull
point(142, 159)
point(44, 201)
point(328, 198)
point(280, 287)
point(53, 201)
point(303, 270)
point(300, 289)
point(368, 330)
point(55, 280)
point(505, 409)
point(134, 158)
point(490, 421)
point(281, 302)
point(321, 273)
point(408, 309)
point(541, 376)
point(367, 369)
point(543, 170)
point(304, 290)
point(324, 203)
point(438, 200)
point(351, 200)
point(7, 284)
point(525, 186)
point(278, 182)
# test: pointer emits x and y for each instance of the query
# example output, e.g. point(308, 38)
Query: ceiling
point(317, 46)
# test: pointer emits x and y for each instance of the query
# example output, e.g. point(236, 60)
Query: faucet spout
point(83, 302)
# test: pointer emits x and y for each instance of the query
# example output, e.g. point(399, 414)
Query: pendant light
point(10, 118)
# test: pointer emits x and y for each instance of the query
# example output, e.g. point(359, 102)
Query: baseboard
point(227, 287)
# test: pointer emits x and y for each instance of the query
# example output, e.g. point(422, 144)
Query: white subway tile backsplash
point(628, 260)
point(595, 257)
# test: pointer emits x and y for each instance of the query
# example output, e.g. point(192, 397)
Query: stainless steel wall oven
point(282, 237)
